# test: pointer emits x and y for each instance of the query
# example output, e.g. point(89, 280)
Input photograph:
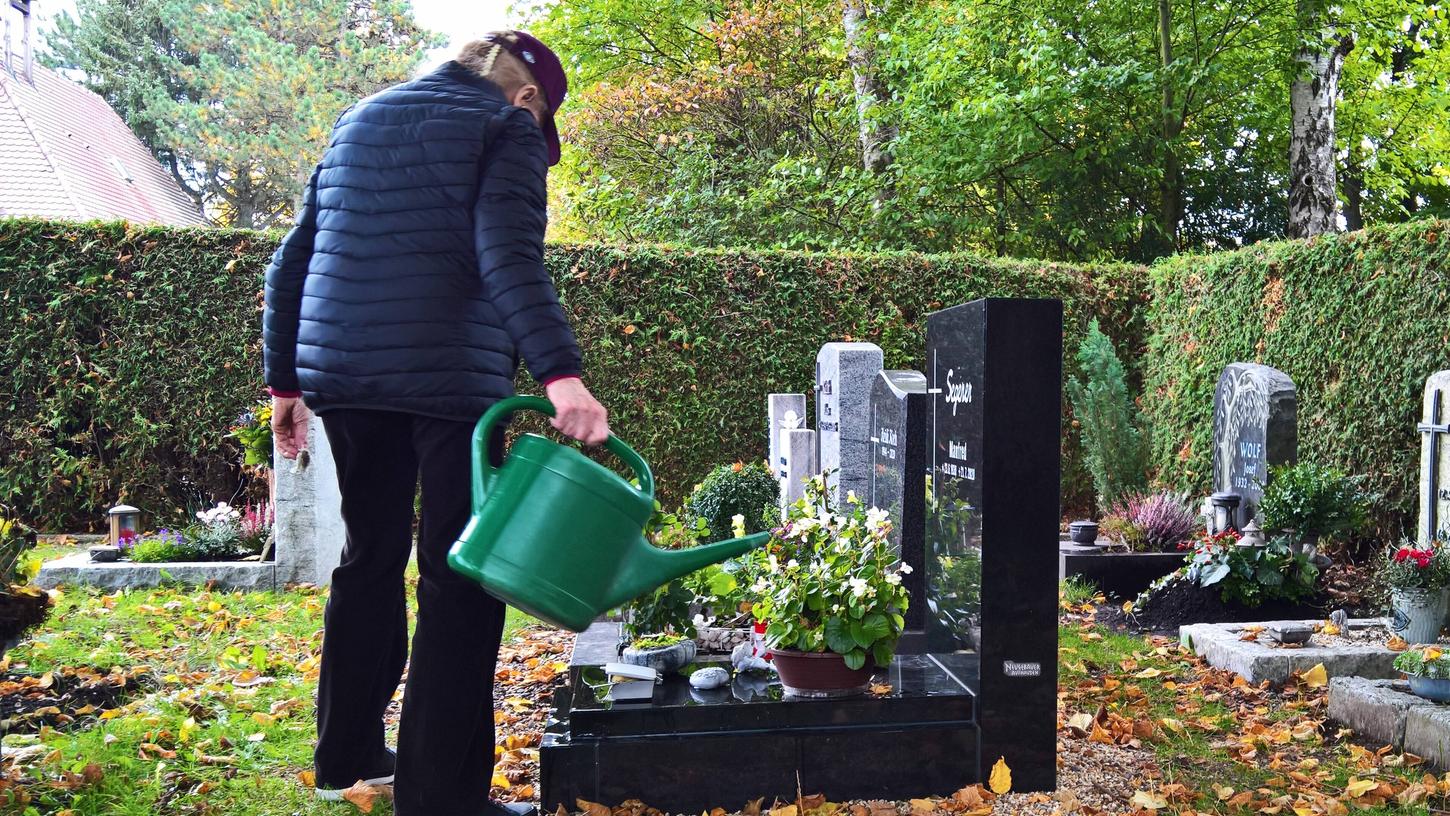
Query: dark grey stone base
point(1118, 574)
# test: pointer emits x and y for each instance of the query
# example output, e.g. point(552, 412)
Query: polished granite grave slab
point(687, 750)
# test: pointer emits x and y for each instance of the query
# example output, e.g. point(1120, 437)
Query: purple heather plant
point(1157, 522)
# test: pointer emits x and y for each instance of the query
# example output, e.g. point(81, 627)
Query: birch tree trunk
point(1312, 188)
point(876, 135)
point(1170, 196)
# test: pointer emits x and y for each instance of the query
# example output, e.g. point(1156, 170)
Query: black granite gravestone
point(899, 408)
point(995, 369)
point(1255, 427)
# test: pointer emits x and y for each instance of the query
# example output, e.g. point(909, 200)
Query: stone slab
point(1219, 644)
point(1427, 732)
point(1375, 709)
point(79, 569)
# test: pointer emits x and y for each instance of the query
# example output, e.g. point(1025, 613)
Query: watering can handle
point(484, 472)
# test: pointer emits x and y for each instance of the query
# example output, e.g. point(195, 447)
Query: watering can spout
point(657, 567)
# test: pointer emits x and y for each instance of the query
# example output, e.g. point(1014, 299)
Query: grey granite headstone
point(778, 408)
point(900, 415)
point(1434, 429)
point(799, 452)
point(1255, 428)
point(309, 530)
point(844, 373)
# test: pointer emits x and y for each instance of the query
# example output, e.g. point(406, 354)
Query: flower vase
point(1416, 614)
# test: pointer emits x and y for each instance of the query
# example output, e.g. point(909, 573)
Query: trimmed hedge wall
point(1357, 320)
point(126, 352)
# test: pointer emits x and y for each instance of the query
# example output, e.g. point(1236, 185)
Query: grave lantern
point(1253, 535)
point(125, 523)
point(1225, 511)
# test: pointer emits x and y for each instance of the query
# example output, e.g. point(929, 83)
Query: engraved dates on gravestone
point(1434, 428)
point(1255, 428)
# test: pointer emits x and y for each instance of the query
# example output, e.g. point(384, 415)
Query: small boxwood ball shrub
point(738, 489)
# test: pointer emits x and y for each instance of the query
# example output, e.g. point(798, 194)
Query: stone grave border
point(1386, 712)
point(1219, 644)
point(308, 530)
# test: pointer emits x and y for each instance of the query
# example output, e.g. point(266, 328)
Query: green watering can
point(559, 535)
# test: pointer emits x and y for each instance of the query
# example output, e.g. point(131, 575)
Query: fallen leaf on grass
point(589, 808)
point(923, 807)
point(1148, 801)
point(363, 797)
point(787, 810)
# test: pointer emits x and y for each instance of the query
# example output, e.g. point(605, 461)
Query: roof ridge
point(30, 126)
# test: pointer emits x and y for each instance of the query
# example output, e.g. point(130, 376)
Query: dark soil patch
point(1184, 602)
point(21, 609)
point(64, 699)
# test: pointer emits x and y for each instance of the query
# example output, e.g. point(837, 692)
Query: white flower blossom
point(893, 579)
point(858, 587)
point(737, 524)
point(792, 564)
point(905, 568)
point(772, 564)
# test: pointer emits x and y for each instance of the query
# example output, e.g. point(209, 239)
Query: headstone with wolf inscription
point(1255, 428)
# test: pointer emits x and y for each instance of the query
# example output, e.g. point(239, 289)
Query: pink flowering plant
point(1151, 522)
point(830, 581)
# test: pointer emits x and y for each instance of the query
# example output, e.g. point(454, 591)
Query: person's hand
point(577, 414)
point(289, 425)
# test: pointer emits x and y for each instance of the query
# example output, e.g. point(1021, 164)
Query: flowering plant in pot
point(829, 591)
point(1416, 576)
point(1428, 668)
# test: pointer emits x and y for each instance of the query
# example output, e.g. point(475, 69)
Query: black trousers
point(446, 738)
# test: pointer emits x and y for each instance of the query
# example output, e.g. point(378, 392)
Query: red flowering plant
point(1415, 566)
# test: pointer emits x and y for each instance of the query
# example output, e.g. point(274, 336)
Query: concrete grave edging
point(1219, 645)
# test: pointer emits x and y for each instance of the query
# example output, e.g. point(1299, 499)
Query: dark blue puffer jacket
point(414, 278)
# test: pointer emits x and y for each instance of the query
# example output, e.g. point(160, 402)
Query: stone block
point(1220, 646)
point(78, 569)
point(1377, 710)
point(1427, 732)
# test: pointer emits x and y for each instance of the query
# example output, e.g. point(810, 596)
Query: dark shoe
point(383, 775)
point(510, 809)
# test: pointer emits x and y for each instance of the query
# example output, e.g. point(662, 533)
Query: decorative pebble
point(713, 677)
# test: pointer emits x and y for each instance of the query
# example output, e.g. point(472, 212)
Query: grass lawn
point(222, 720)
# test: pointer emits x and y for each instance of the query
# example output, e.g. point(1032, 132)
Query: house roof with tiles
point(64, 153)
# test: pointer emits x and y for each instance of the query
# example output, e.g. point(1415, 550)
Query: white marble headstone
point(783, 411)
point(798, 451)
point(309, 530)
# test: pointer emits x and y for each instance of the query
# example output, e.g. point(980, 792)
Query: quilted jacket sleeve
point(285, 275)
point(508, 225)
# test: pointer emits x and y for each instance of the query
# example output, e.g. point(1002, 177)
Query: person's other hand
point(577, 414)
point(289, 425)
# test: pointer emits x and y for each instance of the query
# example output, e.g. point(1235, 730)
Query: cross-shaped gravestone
point(1255, 428)
point(844, 373)
point(1435, 460)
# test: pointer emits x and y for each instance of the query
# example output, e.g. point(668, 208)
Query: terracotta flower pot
point(818, 674)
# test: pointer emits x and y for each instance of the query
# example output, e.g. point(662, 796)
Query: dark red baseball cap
point(545, 66)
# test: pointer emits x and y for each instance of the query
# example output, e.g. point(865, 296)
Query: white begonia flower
point(772, 564)
point(893, 579)
point(858, 586)
point(851, 497)
point(759, 586)
point(737, 524)
point(905, 568)
point(792, 564)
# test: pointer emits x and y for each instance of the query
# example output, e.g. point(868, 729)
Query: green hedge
point(1357, 320)
point(127, 351)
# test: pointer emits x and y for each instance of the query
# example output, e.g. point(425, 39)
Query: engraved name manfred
point(1012, 668)
point(957, 393)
